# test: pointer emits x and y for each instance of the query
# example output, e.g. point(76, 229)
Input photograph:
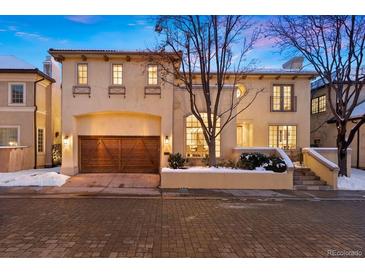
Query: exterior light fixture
point(66, 140)
point(166, 140)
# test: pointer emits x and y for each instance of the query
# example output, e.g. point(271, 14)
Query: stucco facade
point(27, 117)
point(91, 109)
point(324, 134)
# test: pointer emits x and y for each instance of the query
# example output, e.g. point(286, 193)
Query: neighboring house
point(323, 127)
point(119, 116)
point(25, 115)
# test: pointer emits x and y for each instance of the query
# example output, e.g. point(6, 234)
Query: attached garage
point(119, 154)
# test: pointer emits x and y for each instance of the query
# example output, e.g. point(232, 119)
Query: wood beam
point(128, 58)
point(294, 77)
point(106, 58)
point(277, 77)
point(83, 57)
point(261, 77)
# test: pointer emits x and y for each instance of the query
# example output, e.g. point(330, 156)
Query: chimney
point(47, 66)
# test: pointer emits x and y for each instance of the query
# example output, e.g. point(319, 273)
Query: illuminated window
point(82, 74)
point(17, 93)
point(40, 140)
point(117, 74)
point(283, 136)
point(241, 90)
point(9, 136)
point(322, 104)
point(196, 146)
point(315, 105)
point(282, 98)
point(152, 75)
point(319, 104)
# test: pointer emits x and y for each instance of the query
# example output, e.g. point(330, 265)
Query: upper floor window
point(16, 94)
point(319, 104)
point(152, 73)
point(40, 140)
point(196, 146)
point(82, 74)
point(9, 136)
point(282, 98)
point(283, 136)
point(117, 71)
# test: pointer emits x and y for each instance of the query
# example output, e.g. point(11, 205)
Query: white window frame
point(10, 103)
point(13, 126)
point(44, 140)
point(87, 73)
point(112, 74)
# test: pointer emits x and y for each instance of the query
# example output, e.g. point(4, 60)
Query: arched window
point(196, 146)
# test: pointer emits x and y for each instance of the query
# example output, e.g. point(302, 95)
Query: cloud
point(84, 19)
point(31, 36)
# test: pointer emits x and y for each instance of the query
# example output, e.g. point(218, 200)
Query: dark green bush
point(251, 160)
point(176, 160)
point(275, 164)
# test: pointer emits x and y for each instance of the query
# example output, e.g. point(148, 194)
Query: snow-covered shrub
point(251, 160)
point(176, 160)
point(275, 164)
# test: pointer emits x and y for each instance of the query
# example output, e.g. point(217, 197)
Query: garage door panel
point(120, 154)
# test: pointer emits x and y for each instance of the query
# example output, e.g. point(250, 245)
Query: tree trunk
point(342, 150)
point(212, 155)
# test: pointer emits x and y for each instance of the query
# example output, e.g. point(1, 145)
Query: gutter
point(35, 120)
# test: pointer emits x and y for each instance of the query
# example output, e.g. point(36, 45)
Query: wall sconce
point(167, 140)
point(66, 140)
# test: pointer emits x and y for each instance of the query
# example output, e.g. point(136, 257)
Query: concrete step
point(309, 182)
point(305, 177)
point(312, 187)
point(304, 173)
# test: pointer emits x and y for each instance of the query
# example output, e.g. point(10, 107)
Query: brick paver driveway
point(135, 227)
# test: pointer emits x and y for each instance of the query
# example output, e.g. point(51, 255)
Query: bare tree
point(208, 50)
point(335, 47)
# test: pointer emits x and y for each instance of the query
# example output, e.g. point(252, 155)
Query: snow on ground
point(198, 169)
point(33, 177)
point(355, 182)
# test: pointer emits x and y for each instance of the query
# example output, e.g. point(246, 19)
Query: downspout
point(35, 120)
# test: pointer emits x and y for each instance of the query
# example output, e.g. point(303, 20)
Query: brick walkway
point(179, 228)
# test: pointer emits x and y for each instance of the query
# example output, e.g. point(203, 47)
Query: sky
point(29, 37)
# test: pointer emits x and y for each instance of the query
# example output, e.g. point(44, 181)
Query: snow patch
point(355, 182)
point(213, 170)
point(33, 177)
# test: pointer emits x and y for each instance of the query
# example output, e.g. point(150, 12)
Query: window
point(282, 98)
point(9, 136)
point(152, 75)
point(17, 94)
point(196, 146)
point(283, 136)
point(82, 74)
point(117, 74)
point(40, 140)
point(319, 104)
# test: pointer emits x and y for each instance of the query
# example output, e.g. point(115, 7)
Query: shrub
point(226, 163)
point(275, 164)
point(176, 160)
point(251, 160)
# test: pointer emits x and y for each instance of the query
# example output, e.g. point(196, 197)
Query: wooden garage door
point(127, 154)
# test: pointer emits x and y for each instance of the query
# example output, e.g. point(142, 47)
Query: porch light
point(66, 140)
point(167, 140)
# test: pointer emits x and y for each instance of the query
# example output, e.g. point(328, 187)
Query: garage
point(119, 154)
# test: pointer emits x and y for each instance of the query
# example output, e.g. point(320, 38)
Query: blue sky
point(29, 37)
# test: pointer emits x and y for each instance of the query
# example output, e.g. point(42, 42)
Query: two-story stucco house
point(323, 127)
point(119, 116)
point(25, 115)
